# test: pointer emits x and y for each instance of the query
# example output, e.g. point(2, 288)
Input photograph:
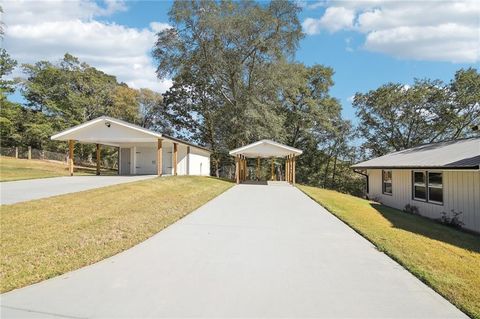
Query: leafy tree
point(125, 104)
point(150, 109)
point(7, 64)
point(395, 117)
point(233, 48)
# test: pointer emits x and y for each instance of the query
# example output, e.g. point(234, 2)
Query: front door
point(125, 161)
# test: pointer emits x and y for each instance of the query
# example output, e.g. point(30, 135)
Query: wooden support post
point(272, 170)
point(159, 157)
point(118, 160)
point(286, 169)
point(70, 157)
point(98, 159)
point(237, 169)
point(244, 168)
point(293, 170)
point(175, 157)
point(29, 152)
point(16, 151)
point(258, 168)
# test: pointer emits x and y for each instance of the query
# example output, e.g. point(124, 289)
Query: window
point(435, 187)
point(427, 186)
point(387, 182)
point(419, 186)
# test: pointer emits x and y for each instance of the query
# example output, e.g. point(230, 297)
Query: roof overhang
point(114, 132)
point(265, 149)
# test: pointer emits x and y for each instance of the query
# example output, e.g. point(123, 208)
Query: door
point(125, 161)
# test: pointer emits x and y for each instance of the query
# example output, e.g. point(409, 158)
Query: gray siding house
point(435, 178)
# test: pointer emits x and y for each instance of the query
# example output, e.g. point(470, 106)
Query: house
point(435, 178)
point(141, 151)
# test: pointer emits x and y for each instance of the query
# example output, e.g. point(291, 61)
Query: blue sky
point(367, 43)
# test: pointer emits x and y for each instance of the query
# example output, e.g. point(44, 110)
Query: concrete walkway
point(21, 191)
point(254, 251)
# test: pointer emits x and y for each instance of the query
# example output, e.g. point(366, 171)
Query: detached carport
point(141, 151)
point(265, 149)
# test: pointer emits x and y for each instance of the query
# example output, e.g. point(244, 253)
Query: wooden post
point(70, 157)
point(29, 152)
point(175, 154)
point(244, 168)
point(16, 151)
point(98, 159)
point(237, 169)
point(258, 168)
point(286, 169)
point(272, 170)
point(293, 170)
point(118, 160)
point(159, 157)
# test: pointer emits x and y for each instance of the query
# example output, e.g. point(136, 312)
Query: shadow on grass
point(429, 228)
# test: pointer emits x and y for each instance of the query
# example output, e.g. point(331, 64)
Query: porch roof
point(264, 149)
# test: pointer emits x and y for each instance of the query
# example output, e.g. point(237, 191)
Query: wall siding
point(461, 192)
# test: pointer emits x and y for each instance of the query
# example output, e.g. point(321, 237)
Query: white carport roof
point(114, 132)
point(264, 149)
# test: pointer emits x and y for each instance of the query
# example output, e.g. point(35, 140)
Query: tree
point(395, 117)
point(233, 47)
point(7, 64)
point(150, 109)
point(125, 104)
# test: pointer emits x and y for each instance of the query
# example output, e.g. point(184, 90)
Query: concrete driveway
point(254, 251)
point(21, 191)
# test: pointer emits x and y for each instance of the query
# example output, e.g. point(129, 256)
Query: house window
point(387, 182)
point(435, 187)
point(419, 186)
point(428, 186)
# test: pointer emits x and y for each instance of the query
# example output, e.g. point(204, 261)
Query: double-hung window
point(428, 186)
point(419, 185)
point(387, 182)
point(435, 187)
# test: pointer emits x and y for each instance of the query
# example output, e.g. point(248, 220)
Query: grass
point(446, 259)
point(13, 169)
point(44, 238)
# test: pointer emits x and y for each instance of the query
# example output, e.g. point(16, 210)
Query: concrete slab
point(254, 251)
point(21, 191)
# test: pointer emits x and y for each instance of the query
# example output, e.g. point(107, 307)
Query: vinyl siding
point(461, 192)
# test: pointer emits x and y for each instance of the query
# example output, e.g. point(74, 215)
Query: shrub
point(453, 220)
point(411, 209)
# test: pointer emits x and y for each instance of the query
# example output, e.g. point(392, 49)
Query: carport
point(265, 149)
point(141, 151)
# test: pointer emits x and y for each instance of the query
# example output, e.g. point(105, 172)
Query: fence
point(110, 162)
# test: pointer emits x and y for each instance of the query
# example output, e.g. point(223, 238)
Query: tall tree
point(7, 64)
point(234, 48)
point(394, 116)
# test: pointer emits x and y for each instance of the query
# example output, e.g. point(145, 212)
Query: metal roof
point(266, 148)
point(458, 154)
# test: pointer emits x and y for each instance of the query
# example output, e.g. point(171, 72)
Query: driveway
point(21, 191)
point(254, 251)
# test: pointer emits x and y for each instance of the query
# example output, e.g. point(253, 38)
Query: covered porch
point(279, 158)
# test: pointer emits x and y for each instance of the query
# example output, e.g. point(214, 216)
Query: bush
point(411, 209)
point(453, 220)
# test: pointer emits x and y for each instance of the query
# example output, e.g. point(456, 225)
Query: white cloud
point(46, 30)
point(419, 30)
point(334, 19)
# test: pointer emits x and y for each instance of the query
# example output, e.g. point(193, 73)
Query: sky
point(367, 43)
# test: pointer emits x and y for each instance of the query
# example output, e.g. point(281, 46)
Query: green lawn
point(44, 238)
point(448, 260)
point(12, 169)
